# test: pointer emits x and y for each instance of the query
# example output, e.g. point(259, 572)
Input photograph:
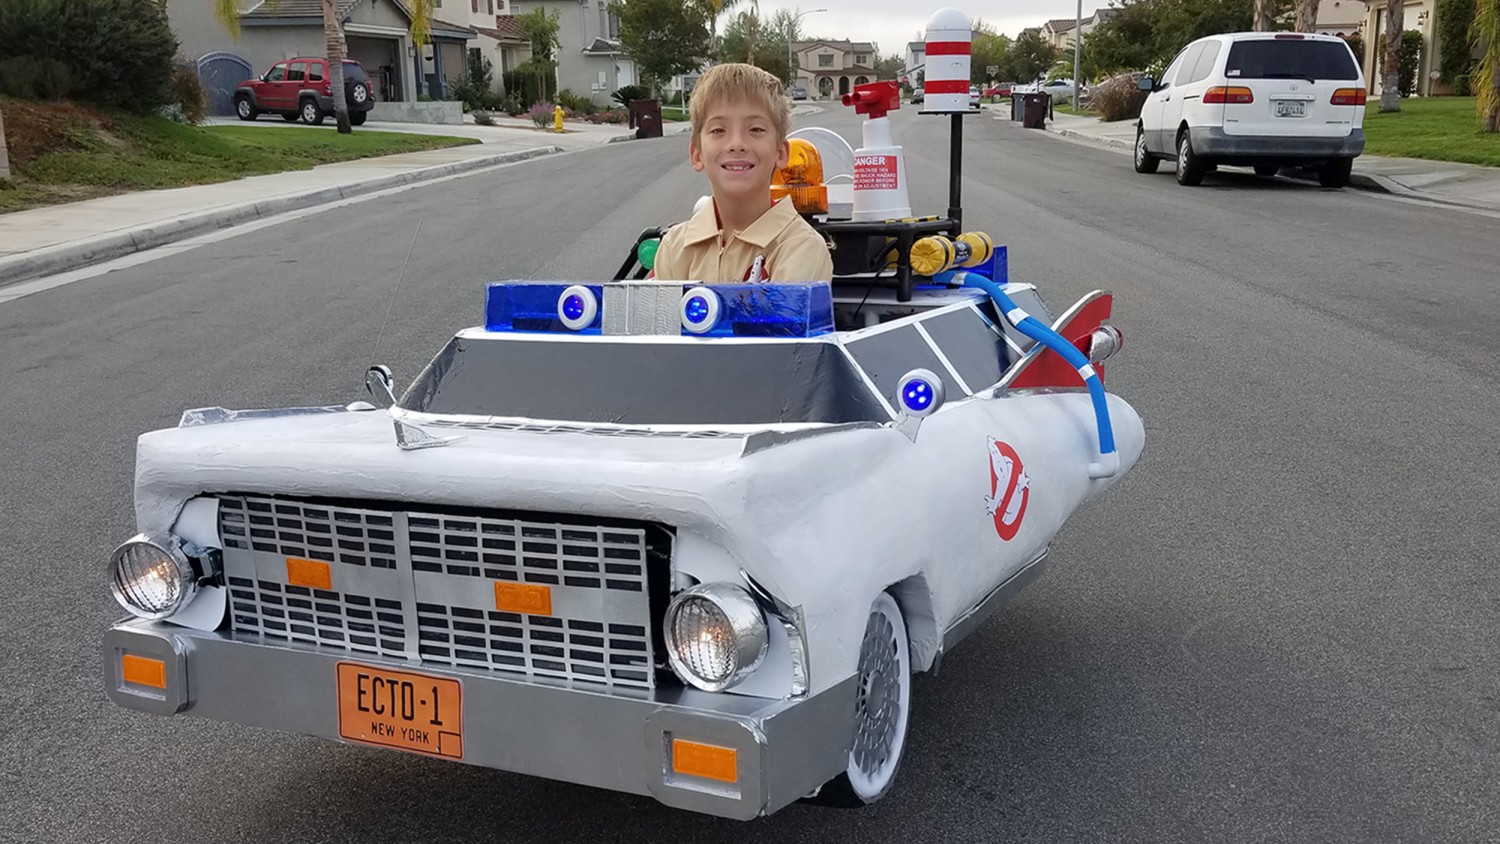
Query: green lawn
point(68, 154)
point(1439, 128)
point(673, 113)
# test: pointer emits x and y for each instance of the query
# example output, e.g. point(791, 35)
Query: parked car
point(996, 93)
point(797, 92)
point(974, 97)
point(1256, 99)
point(918, 94)
point(301, 87)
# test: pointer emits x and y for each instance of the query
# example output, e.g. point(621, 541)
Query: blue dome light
point(696, 310)
point(573, 306)
point(917, 396)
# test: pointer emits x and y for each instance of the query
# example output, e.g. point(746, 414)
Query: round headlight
point(716, 635)
point(151, 577)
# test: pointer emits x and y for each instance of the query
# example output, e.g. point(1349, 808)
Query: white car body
point(1259, 99)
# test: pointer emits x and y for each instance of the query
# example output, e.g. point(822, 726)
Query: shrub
point(626, 93)
point(483, 118)
point(187, 88)
point(1462, 87)
point(541, 114)
point(569, 100)
point(511, 104)
point(112, 52)
point(609, 115)
point(532, 82)
point(1118, 98)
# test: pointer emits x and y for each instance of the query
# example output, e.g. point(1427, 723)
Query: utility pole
point(1077, 51)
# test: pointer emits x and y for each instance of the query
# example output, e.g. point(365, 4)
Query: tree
point(1486, 30)
point(751, 40)
point(539, 29)
point(1029, 56)
point(1390, 79)
point(989, 49)
point(1455, 19)
point(1307, 15)
point(664, 37)
point(889, 67)
point(1261, 17)
point(712, 9)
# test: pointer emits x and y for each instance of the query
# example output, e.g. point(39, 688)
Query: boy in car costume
point(740, 123)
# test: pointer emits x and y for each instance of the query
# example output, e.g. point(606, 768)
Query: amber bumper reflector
point(704, 760)
point(143, 672)
point(524, 598)
point(309, 573)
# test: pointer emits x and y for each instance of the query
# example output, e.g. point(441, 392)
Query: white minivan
point(1265, 100)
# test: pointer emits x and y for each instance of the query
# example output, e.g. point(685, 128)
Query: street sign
point(993, 69)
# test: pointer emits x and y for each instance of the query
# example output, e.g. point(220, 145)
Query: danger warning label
point(875, 172)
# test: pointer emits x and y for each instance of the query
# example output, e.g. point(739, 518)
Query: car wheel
point(1145, 162)
point(1335, 174)
point(245, 109)
point(359, 94)
point(311, 114)
point(1267, 170)
point(357, 118)
point(881, 708)
point(1189, 165)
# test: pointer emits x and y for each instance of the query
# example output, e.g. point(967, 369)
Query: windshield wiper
point(1304, 76)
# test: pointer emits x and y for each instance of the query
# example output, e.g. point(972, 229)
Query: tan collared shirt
point(695, 250)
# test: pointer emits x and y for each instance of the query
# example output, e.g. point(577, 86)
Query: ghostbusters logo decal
point(1010, 489)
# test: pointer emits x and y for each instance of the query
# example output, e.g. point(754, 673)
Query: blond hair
point(731, 82)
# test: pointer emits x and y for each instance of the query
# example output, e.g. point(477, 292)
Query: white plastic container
point(879, 175)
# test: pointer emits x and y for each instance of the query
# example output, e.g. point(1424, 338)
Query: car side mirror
point(1146, 84)
point(381, 385)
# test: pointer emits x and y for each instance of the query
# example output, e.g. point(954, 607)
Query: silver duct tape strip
point(642, 308)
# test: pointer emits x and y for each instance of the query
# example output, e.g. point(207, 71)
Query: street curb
point(1074, 133)
point(74, 254)
point(683, 130)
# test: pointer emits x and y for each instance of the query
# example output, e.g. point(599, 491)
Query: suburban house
point(1340, 17)
point(590, 61)
point(832, 68)
point(496, 38)
point(1060, 32)
point(916, 59)
point(375, 34)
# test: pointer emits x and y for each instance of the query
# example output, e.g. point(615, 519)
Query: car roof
point(1267, 36)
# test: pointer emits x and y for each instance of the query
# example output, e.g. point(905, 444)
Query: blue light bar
point(772, 310)
point(719, 310)
point(534, 306)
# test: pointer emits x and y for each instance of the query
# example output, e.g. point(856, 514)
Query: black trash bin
point(645, 118)
point(1035, 110)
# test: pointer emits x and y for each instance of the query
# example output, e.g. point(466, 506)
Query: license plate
point(1291, 108)
point(401, 710)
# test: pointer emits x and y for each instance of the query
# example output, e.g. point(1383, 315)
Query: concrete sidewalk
point(1450, 183)
point(58, 238)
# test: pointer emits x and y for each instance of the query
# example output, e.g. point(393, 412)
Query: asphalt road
point(1280, 627)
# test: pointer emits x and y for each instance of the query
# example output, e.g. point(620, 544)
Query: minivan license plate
point(415, 712)
point(1291, 108)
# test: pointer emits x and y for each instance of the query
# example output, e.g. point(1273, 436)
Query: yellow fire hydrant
point(557, 116)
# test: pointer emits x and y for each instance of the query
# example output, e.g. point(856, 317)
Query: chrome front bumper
point(615, 739)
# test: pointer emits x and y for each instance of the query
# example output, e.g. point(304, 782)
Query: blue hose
point(1109, 462)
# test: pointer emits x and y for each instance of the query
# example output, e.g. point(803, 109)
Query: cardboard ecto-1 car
point(677, 540)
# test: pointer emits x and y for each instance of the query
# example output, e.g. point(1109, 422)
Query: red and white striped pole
point(945, 84)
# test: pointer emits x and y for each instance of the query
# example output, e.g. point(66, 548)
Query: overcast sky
point(892, 23)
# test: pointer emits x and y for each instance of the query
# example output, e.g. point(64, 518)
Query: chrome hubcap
point(1140, 147)
point(877, 709)
point(1182, 149)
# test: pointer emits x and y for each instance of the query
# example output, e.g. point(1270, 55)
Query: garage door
point(220, 74)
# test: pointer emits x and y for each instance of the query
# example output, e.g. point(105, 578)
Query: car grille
point(424, 585)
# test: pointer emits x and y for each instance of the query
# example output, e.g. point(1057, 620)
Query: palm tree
point(1486, 29)
point(1390, 76)
point(715, 8)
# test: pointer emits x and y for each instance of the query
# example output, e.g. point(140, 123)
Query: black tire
point(357, 118)
point(1190, 167)
point(359, 94)
point(244, 109)
point(881, 711)
point(1335, 174)
point(1267, 170)
point(290, 116)
point(311, 113)
point(1145, 162)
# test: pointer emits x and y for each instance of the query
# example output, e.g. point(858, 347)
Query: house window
point(474, 6)
point(489, 7)
point(860, 59)
point(825, 60)
point(613, 33)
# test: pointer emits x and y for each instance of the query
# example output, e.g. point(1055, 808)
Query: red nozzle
point(875, 98)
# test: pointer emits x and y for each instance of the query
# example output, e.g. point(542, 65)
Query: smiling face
point(739, 147)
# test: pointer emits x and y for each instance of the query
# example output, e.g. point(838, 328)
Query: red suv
point(301, 88)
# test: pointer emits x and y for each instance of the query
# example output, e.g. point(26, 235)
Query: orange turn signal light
point(143, 671)
point(528, 598)
point(705, 760)
point(309, 573)
point(801, 178)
